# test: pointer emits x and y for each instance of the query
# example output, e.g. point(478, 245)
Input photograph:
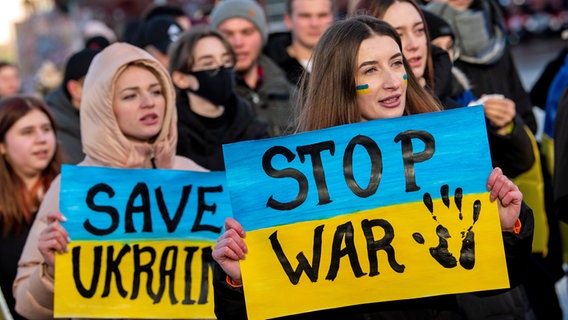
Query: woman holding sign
point(370, 80)
point(30, 161)
point(128, 120)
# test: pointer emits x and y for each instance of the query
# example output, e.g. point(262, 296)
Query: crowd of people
point(170, 93)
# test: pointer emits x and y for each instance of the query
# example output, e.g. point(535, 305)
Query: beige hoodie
point(104, 145)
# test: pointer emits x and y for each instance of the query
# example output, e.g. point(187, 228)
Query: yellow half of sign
point(144, 279)
point(363, 255)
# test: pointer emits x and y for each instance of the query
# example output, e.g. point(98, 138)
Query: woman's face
point(139, 103)
point(411, 29)
point(29, 145)
point(210, 53)
point(380, 79)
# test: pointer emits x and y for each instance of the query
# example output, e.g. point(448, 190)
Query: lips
point(42, 154)
point(415, 62)
point(392, 101)
point(149, 119)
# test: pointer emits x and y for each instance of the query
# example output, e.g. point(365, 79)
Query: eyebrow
point(372, 62)
point(155, 84)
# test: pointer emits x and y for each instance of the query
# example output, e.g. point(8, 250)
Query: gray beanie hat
point(247, 9)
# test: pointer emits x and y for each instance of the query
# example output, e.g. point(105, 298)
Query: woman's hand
point(53, 238)
point(230, 248)
point(500, 111)
point(509, 198)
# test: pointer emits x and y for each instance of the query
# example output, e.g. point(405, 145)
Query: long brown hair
point(328, 96)
point(378, 9)
point(17, 203)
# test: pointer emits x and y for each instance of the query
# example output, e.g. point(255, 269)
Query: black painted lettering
point(112, 212)
point(303, 264)
point(376, 166)
point(344, 231)
point(168, 271)
point(112, 268)
point(410, 158)
point(206, 266)
point(140, 190)
point(140, 268)
point(374, 245)
point(171, 224)
point(314, 150)
point(284, 173)
point(84, 292)
point(188, 279)
point(202, 207)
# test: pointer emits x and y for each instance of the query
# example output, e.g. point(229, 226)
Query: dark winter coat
point(201, 138)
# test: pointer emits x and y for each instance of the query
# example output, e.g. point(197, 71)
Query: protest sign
point(141, 242)
point(376, 211)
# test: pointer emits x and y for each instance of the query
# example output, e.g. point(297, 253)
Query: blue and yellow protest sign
point(341, 216)
point(141, 242)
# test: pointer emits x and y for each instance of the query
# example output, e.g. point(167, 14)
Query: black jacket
point(201, 138)
point(276, 49)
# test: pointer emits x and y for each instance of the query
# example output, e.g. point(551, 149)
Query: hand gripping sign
point(345, 214)
point(141, 242)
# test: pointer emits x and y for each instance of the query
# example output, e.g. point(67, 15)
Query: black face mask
point(215, 85)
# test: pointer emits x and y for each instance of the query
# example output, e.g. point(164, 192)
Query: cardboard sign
point(141, 242)
point(348, 213)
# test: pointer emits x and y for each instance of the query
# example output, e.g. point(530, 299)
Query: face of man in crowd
point(10, 81)
point(246, 41)
point(308, 20)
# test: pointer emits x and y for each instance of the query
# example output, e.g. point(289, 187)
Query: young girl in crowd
point(510, 145)
point(128, 120)
point(359, 50)
point(210, 113)
point(30, 160)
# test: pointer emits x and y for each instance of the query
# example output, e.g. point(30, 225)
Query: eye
point(397, 63)
point(369, 70)
point(157, 92)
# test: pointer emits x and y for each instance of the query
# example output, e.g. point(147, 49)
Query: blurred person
point(484, 56)
point(30, 160)
point(210, 113)
point(156, 35)
point(10, 81)
point(128, 120)
point(259, 79)
point(169, 10)
point(306, 21)
point(347, 55)
point(64, 103)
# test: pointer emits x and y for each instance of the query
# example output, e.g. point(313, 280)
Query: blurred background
point(39, 35)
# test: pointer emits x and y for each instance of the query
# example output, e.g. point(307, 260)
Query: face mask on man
point(215, 85)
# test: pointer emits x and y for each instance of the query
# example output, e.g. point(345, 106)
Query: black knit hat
point(437, 27)
point(159, 32)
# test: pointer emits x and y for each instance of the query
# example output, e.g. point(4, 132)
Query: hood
point(103, 141)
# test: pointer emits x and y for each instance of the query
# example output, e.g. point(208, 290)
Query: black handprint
point(441, 253)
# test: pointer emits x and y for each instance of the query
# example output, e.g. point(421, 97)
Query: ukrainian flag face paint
point(405, 78)
point(363, 89)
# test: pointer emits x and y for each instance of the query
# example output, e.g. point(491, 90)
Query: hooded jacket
point(104, 145)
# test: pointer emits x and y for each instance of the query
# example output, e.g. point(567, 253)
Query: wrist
point(234, 283)
point(516, 229)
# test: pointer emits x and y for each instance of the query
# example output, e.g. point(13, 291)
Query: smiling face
point(412, 31)
point(380, 78)
point(29, 145)
point(139, 103)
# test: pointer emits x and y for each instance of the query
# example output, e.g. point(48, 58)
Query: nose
point(391, 80)
point(147, 100)
point(412, 42)
point(41, 135)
